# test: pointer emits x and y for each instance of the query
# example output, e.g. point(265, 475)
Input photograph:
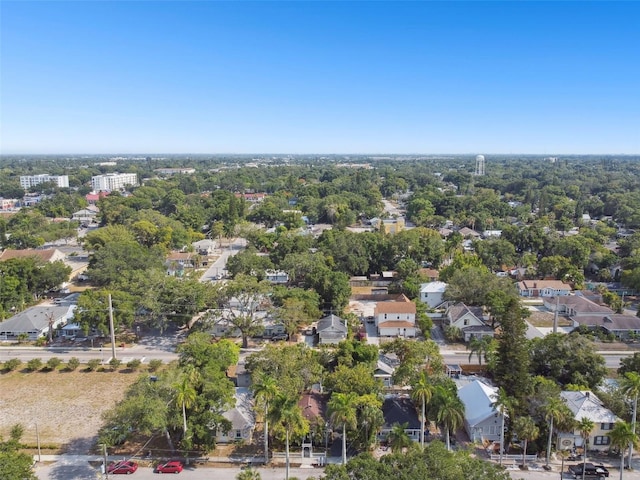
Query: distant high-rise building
point(479, 164)
point(113, 181)
point(28, 181)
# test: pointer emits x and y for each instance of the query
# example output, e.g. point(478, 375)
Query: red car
point(173, 466)
point(125, 467)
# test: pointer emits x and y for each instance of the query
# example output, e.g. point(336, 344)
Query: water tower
point(479, 164)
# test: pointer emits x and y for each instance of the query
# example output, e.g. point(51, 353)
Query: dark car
point(125, 467)
point(173, 466)
point(590, 470)
point(279, 337)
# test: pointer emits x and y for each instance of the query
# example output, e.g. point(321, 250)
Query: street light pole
point(104, 453)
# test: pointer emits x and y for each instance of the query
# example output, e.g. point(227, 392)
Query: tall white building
point(28, 181)
point(479, 164)
point(113, 181)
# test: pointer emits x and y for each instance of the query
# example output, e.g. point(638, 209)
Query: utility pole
point(38, 442)
point(555, 315)
point(113, 334)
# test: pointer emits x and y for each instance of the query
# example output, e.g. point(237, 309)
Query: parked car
point(125, 467)
point(173, 466)
point(590, 470)
point(279, 336)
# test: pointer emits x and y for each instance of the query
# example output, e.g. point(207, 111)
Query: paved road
point(219, 267)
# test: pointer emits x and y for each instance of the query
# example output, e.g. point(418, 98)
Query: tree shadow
point(61, 471)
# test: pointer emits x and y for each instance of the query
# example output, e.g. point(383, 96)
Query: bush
point(93, 364)
point(134, 364)
point(13, 364)
point(34, 364)
point(155, 364)
point(73, 363)
point(53, 363)
point(41, 341)
point(114, 363)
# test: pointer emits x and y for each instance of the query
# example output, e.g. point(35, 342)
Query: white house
point(36, 321)
point(205, 247)
point(432, 293)
point(469, 320)
point(584, 404)
point(396, 318)
point(331, 329)
point(481, 419)
point(543, 288)
point(242, 419)
point(276, 276)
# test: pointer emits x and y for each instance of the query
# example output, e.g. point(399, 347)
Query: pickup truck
point(590, 471)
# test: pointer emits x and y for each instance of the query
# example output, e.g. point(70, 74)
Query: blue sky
point(319, 77)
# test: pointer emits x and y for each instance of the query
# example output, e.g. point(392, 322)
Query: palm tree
point(249, 474)
point(186, 395)
point(265, 390)
point(623, 436)
point(286, 416)
point(422, 391)
point(398, 438)
point(342, 412)
point(479, 346)
point(450, 411)
point(554, 410)
point(631, 388)
point(586, 427)
point(502, 403)
point(526, 429)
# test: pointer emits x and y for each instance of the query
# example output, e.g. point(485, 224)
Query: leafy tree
point(342, 413)
point(115, 363)
point(73, 364)
point(93, 310)
point(53, 363)
point(34, 364)
point(13, 463)
point(155, 364)
point(13, 364)
point(629, 364)
point(414, 357)
point(398, 438)
point(93, 364)
point(356, 379)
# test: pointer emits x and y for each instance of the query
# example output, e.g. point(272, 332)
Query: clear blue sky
point(320, 77)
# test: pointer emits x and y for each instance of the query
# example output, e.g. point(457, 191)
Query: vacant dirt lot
point(66, 406)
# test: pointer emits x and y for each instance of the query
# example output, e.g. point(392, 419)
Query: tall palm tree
point(480, 347)
point(631, 388)
point(554, 410)
point(186, 396)
point(398, 438)
point(526, 429)
point(287, 417)
point(265, 390)
point(422, 392)
point(623, 436)
point(502, 403)
point(342, 413)
point(585, 426)
point(449, 411)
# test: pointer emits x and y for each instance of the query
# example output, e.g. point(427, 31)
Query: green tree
point(555, 411)
point(622, 436)
point(422, 391)
point(185, 395)
point(248, 474)
point(630, 386)
point(585, 426)
point(265, 390)
point(449, 411)
point(342, 413)
point(503, 404)
point(479, 346)
point(398, 438)
point(287, 418)
point(527, 430)
point(34, 364)
point(73, 364)
point(13, 463)
point(53, 363)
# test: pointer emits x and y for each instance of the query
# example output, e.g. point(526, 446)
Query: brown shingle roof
point(46, 255)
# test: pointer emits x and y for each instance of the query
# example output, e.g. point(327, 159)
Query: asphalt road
point(219, 267)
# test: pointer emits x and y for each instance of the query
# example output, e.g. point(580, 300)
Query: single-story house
point(384, 372)
point(205, 247)
point(467, 232)
point(543, 288)
point(45, 255)
point(242, 419)
point(331, 330)
point(177, 262)
point(585, 404)
point(575, 306)
point(276, 276)
point(400, 409)
point(314, 409)
point(621, 325)
point(36, 321)
point(86, 215)
point(432, 293)
point(481, 419)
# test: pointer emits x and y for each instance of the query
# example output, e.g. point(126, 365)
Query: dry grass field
point(66, 406)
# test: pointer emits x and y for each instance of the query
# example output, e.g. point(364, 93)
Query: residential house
point(36, 321)
point(178, 262)
point(46, 255)
point(430, 274)
point(585, 404)
point(384, 372)
point(575, 306)
point(469, 320)
point(482, 421)
point(396, 318)
point(621, 325)
point(205, 247)
point(276, 276)
point(468, 233)
point(331, 330)
point(314, 409)
point(242, 419)
point(86, 216)
point(399, 410)
point(543, 288)
point(432, 293)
